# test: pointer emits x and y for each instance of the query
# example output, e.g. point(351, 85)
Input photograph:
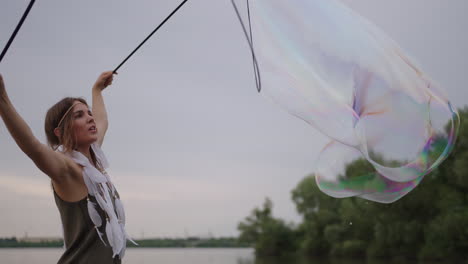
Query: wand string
point(248, 36)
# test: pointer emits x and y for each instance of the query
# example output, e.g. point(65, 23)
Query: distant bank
point(190, 242)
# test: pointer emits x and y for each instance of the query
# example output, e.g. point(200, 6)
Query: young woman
point(92, 215)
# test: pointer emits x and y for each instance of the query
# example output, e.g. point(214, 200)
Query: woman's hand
point(104, 80)
point(3, 94)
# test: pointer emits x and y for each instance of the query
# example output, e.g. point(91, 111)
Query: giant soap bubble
point(385, 118)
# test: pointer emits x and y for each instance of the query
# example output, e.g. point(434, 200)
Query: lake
point(168, 256)
point(137, 256)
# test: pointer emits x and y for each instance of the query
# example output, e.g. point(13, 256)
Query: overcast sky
point(193, 147)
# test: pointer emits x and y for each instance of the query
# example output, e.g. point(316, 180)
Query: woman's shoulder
point(72, 157)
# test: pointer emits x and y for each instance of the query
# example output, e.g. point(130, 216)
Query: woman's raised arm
point(99, 108)
point(56, 165)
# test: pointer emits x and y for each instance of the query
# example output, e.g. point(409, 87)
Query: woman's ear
point(57, 132)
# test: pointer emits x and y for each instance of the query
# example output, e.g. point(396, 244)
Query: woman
point(92, 215)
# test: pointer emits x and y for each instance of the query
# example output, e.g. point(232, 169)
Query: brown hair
point(53, 117)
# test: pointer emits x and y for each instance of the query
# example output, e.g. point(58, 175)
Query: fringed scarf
point(100, 186)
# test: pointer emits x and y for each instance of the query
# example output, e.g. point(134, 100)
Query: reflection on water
point(304, 260)
point(188, 256)
point(179, 256)
point(137, 255)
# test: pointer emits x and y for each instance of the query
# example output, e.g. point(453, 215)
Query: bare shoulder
point(58, 166)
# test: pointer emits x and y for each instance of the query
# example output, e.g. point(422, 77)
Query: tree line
point(190, 242)
point(429, 223)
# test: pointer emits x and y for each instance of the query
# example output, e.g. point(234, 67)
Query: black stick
point(16, 29)
point(154, 31)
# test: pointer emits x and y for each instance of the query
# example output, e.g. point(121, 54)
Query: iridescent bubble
point(341, 74)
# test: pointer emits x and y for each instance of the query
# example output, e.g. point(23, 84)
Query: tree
point(318, 210)
point(429, 223)
point(268, 235)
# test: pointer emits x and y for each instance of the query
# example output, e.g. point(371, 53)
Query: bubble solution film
point(389, 123)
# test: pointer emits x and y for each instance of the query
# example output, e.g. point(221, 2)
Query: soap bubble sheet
point(341, 74)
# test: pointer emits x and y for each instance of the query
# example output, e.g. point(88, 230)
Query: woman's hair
point(60, 116)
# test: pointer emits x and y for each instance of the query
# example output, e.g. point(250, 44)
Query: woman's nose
point(90, 119)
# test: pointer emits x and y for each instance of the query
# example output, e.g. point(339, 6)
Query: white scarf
point(100, 186)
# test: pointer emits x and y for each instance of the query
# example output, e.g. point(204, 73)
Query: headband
point(64, 115)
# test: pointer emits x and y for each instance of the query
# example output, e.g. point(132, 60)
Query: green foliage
point(252, 228)
point(318, 210)
point(430, 223)
point(460, 169)
point(190, 242)
point(269, 236)
point(14, 243)
point(447, 236)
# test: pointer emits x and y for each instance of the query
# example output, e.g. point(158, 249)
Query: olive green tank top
point(82, 243)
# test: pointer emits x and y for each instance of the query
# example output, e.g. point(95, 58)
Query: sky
point(192, 146)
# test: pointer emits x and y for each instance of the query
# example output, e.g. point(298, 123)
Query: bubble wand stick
point(149, 36)
point(16, 29)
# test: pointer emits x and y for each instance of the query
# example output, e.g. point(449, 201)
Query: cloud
point(178, 189)
point(21, 185)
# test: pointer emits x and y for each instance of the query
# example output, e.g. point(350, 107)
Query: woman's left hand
point(104, 80)
point(3, 93)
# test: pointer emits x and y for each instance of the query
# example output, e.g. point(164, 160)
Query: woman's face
point(84, 126)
